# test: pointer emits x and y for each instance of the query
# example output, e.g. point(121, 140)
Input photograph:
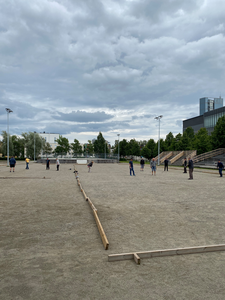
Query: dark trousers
point(191, 173)
point(220, 171)
point(57, 167)
point(185, 169)
point(132, 170)
point(165, 167)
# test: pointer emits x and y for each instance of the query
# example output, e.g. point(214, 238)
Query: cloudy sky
point(79, 67)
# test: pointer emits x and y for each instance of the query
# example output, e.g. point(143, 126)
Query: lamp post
point(34, 145)
point(8, 112)
point(158, 118)
point(105, 149)
point(118, 148)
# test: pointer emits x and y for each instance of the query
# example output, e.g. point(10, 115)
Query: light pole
point(158, 118)
point(8, 112)
point(118, 148)
point(105, 149)
point(34, 144)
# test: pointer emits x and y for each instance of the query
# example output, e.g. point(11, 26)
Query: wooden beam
point(101, 231)
point(137, 259)
point(166, 252)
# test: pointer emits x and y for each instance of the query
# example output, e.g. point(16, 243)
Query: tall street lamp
point(34, 144)
point(118, 147)
point(8, 112)
point(158, 118)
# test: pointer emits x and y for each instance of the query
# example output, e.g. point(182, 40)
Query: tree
point(29, 139)
point(146, 152)
point(90, 147)
point(47, 149)
point(151, 146)
point(4, 145)
point(169, 141)
point(177, 143)
point(63, 146)
point(76, 147)
point(99, 144)
point(218, 134)
point(133, 148)
point(190, 133)
point(202, 141)
point(18, 146)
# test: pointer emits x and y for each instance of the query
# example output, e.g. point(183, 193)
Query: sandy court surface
point(50, 247)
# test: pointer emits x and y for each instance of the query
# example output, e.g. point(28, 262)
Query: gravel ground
point(50, 247)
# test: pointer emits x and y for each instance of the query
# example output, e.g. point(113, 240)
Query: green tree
point(190, 133)
point(151, 146)
point(162, 148)
point(169, 141)
point(146, 152)
point(218, 134)
point(133, 148)
point(90, 147)
point(63, 146)
point(4, 144)
point(30, 139)
point(18, 146)
point(47, 149)
point(76, 147)
point(177, 143)
point(99, 144)
point(202, 141)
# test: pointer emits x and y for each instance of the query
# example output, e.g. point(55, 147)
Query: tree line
point(201, 141)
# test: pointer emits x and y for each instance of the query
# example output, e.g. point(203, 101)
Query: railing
point(179, 155)
point(165, 157)
point(208, 154)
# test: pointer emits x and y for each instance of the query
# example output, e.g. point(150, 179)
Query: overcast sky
point(79, 67)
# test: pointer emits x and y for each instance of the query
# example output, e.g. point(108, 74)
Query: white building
point(50, 138)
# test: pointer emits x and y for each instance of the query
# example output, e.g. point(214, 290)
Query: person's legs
point(57, 167)
point(220, 171)
point(133, 171)
point(130, 171)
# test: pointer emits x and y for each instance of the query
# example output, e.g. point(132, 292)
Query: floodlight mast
point(8, 112)
point(118, 148)
point(158, 118)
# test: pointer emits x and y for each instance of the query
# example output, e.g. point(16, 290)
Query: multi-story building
point(208, 104)
point(50, 138)
point(211, 109)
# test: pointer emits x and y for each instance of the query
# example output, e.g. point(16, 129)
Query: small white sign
point(82, 161)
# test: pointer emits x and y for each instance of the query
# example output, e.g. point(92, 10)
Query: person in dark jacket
point(47, 164)
point(185, 165)
point(131, 166)
point(166, 162)
point(12, 163)
point(191, 168)
point(142, 163)
point(220, 166)
point(90, 165)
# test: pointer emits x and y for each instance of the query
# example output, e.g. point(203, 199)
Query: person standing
point(131, 166)
point(57, 164)
point(47, 164)
point(220, 166)
point(185, 165)
point(166, 162)
point(90, 165)
point(142, 163)
point(27, 163)
point(191, 168)
point(12, 163)
point(153, 166)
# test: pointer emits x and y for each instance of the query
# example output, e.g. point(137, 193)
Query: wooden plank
point(101, 231)
point(137, 259)
point(122, 256)
point(167, 252)
point(91, 204)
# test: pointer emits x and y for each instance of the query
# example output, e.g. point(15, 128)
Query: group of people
point(187, 164)
point(48, 164)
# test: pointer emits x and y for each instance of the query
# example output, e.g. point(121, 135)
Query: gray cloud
point(82, 116)
point(60, 56)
